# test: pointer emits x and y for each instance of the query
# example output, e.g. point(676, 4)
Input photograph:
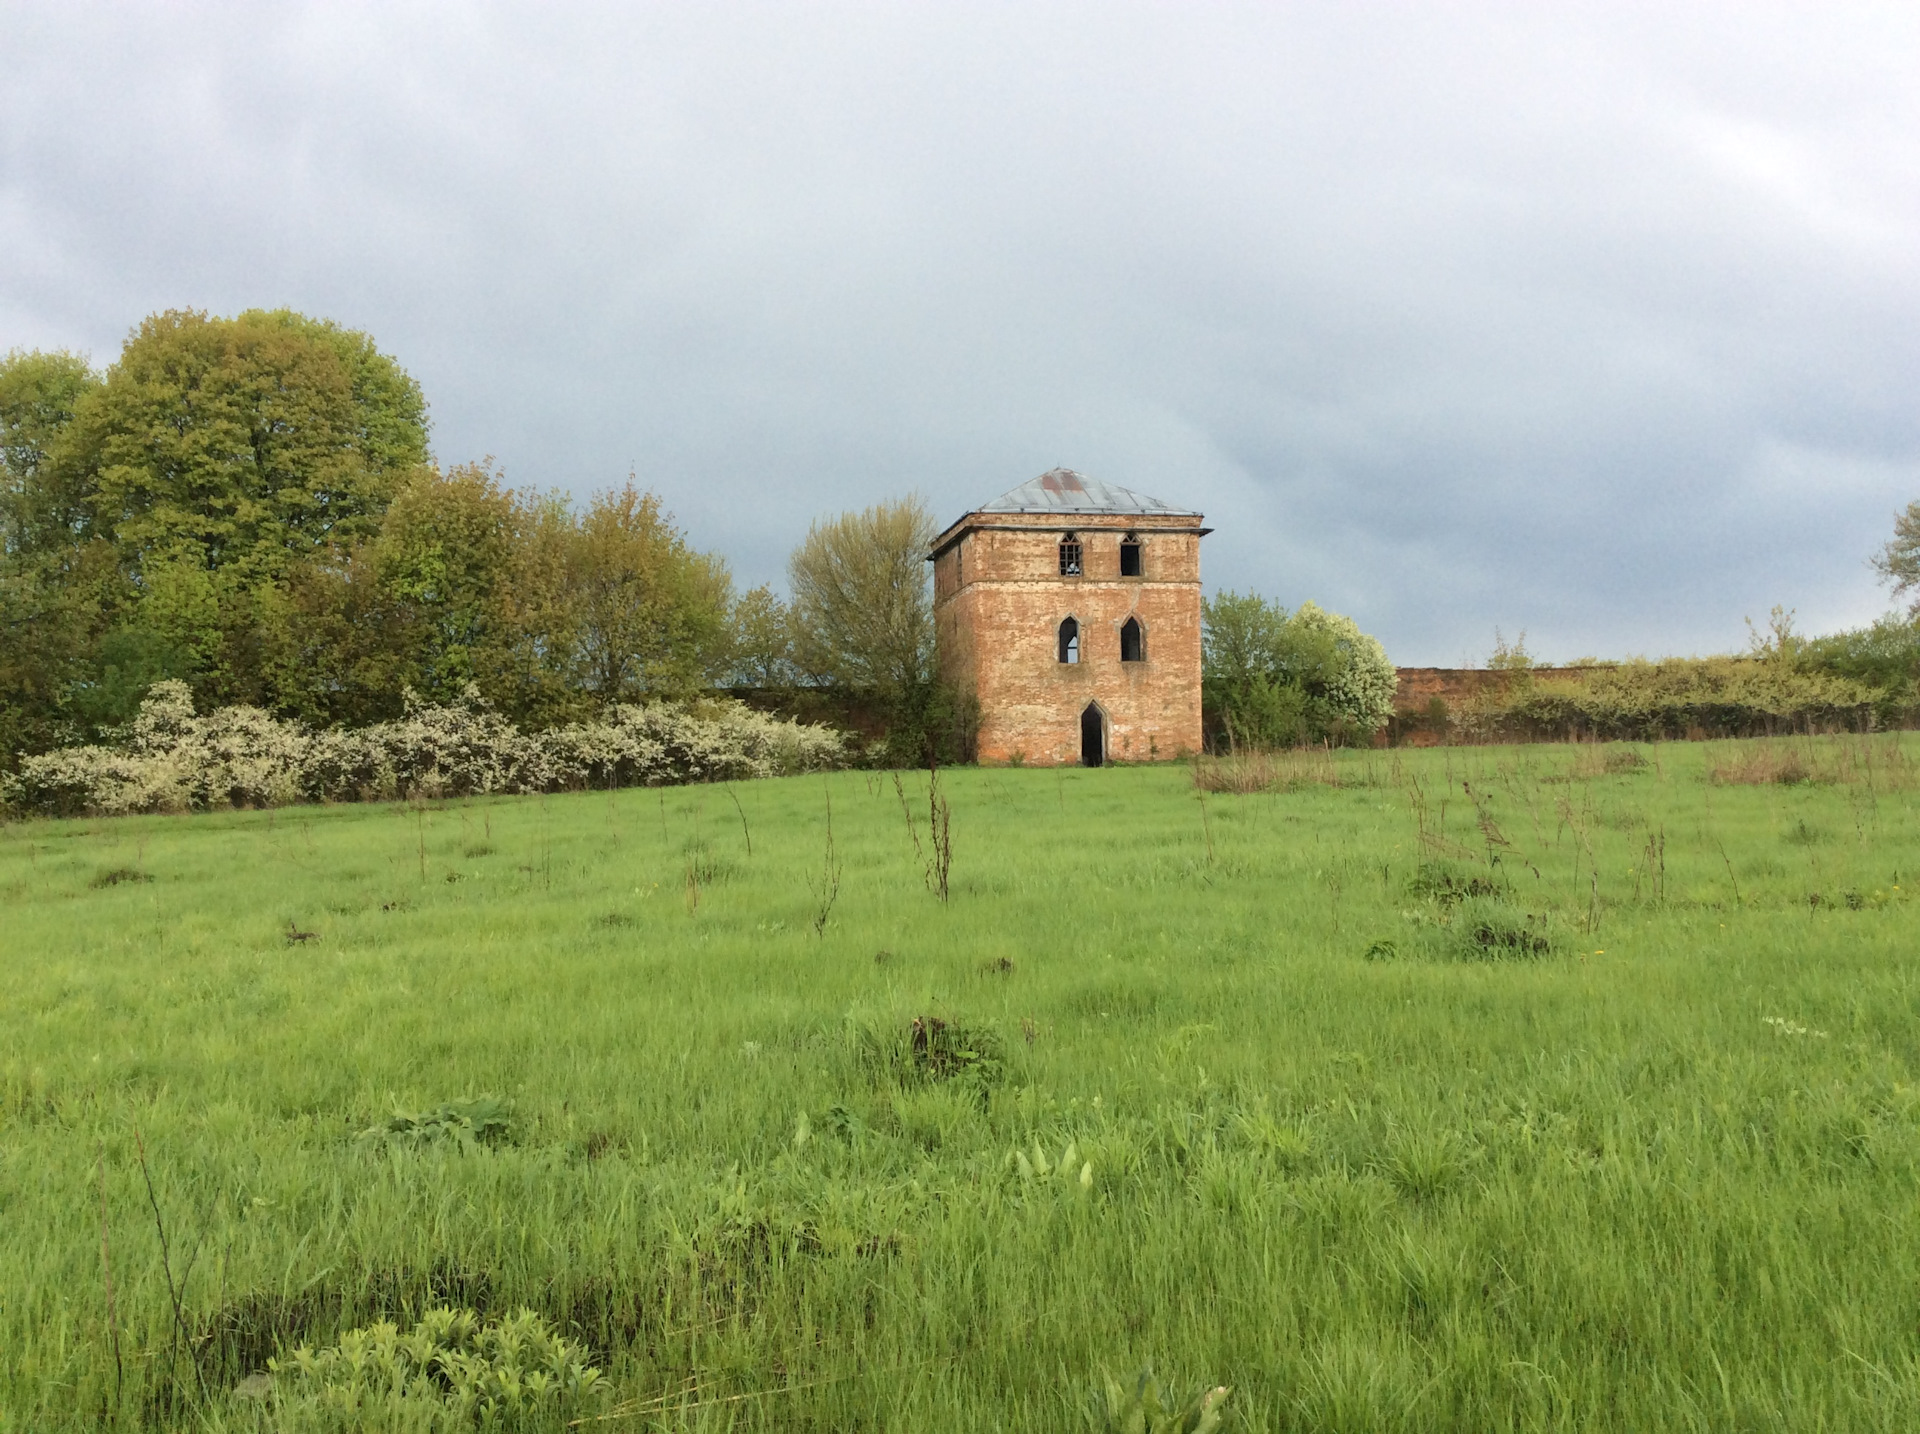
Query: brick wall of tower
point(999, 601)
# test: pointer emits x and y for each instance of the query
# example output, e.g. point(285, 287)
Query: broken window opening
point(1133, 645)
point(1070, 641)
point(1069, 557)
point(1129, 557)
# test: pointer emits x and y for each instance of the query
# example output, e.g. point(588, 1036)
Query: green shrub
point(1271, 678)
point(481, 1120)
point(1884, 657)
point(450, 1372)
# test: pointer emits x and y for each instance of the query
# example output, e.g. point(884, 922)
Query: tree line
point(249, 505)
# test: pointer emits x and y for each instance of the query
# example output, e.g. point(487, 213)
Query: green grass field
point(1487, 1089)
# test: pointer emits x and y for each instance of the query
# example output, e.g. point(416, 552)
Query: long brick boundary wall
point(1423, 696)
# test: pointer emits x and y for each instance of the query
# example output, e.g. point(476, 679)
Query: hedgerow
point(170, 759)
point(1675, 698)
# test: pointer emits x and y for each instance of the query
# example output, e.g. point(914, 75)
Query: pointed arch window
point(1133, 641)
point(1070, 563)
point(1070, 640)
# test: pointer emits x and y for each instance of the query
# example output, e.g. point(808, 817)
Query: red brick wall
point(1418, 686)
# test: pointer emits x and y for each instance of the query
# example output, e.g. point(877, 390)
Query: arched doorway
point(1093, 737)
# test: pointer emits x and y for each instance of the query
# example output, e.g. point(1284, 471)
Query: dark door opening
point(1093, 738)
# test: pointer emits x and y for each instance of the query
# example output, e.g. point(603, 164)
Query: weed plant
point(1133, 1096)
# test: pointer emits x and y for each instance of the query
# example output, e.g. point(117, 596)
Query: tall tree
point(649, 612)
point(443, 562)
point(243, 443)
point(40, 507)
point(1899, 561)
point(862, 600)
point(58, 587)
point(762, 640)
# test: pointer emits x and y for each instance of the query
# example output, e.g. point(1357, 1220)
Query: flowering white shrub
point(173, 760)
point(715, 741)
point(1359, 690)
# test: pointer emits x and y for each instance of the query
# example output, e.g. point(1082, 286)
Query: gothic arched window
point(1070, 566)
point(1070, 641)
point(1133, 642)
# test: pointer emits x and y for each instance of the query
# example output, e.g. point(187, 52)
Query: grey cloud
point(1603, 322)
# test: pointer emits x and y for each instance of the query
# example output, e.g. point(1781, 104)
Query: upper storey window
point(1129, 557)
point(1070, 564)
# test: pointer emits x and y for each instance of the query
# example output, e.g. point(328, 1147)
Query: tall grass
point(1655, 1174)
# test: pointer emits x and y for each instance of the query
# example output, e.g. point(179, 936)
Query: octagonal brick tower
point(1071, 609)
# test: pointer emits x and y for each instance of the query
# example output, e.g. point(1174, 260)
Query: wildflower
point(1791, 1028)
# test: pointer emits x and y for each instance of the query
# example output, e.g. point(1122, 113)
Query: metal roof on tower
point(1061, 490)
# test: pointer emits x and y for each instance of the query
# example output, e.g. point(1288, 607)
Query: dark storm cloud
point(1601, 322)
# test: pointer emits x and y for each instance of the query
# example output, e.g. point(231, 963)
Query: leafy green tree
point(862, 621)
point(1245, 691)
point(54, 608)
point(1273, 678)
point(58, 588)
point(443, 562)
point(213, 458)
point(649, 613)
point(348, 648)
point(762, 640)
point(244, 443)
point(40, 507)
point(530, 672)
point(862, 600)
point(554, 616)
point(1899, 562)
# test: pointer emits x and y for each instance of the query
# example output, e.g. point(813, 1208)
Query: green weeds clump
point(1446, 885)
point(483, 1120)
point(1465, 916)
point(115, 876)
point(1142, 1409)
point(942, 1050)
point(451, 1371)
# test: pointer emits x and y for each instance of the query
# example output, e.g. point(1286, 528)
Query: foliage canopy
point(1271, 678)
point(862, 600)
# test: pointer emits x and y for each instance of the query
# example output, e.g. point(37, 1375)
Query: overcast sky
point(1601, 322)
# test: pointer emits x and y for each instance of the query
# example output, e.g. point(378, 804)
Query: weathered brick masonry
point(1001, 597)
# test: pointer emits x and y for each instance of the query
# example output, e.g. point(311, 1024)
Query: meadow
point(1464, 1089)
